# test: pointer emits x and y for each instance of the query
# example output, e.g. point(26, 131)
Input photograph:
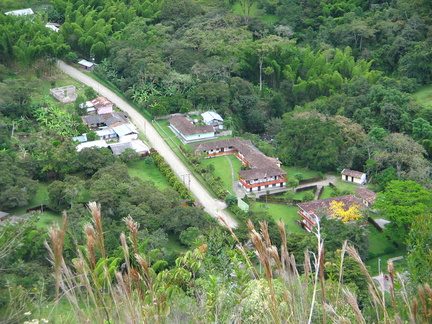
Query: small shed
point(212, 118)
point(126, 132)
point(368, 196)
point(101, 104)
point(86, 65)
point(353, 176)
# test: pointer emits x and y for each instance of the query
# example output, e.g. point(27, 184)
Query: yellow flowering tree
point(345, 215)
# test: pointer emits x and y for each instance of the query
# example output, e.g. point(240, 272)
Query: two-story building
point(263, 173)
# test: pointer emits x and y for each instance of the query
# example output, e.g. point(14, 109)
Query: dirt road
point(213, 206)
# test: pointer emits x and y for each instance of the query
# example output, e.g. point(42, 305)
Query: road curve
point(213, 206)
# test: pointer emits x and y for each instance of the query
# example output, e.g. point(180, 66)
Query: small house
point(212, 118)
point(107, 134)
point(187, 131)
point(112, 119)
point(353, 176)
point(101, 105)
point(366, 195)
point(137, 145)
point(86, 65)
point(126, 132)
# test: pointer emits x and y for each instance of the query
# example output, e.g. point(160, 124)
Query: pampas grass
point(100, 291)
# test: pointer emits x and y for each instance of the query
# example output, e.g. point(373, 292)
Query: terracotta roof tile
point(352, 173)
point(187, 128)
point(321, 207)
point(366, 194)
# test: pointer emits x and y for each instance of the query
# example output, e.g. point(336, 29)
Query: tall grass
point(265, 286)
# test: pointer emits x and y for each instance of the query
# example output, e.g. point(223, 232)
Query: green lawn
point(166, 133)
point(223, 169)
point(40, 198)
point(424, 96)
point(299, 195)
point(48, 218)
point(174, 244)
point(279, 211)
point(292, 171)
point(148, 172)
point(326, 192)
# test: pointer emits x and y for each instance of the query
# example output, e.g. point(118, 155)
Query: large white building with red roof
point(263, 173)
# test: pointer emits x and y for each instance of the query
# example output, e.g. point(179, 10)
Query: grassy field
point(167, 133)
point(278, 211)
point(292, 171)
point(300, 195)
point(222, 169)
point(148, 172)
point(424, 96)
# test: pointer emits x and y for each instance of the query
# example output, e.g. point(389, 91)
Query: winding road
point(213, 206)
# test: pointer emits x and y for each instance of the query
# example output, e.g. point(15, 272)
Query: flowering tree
point(344, 214)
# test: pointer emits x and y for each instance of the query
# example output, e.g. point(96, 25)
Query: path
point(320, 184)
point(213, 206)
point(237, 191)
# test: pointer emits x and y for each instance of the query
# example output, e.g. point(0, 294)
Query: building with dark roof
point(264, 172)
point(112, 119)
point(187, 131)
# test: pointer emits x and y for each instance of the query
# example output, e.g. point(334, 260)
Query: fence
point(310, 180)
point(314, 188)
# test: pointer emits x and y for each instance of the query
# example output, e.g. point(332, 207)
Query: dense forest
point(324, 85)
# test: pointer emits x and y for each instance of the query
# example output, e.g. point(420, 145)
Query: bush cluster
point(169, 174)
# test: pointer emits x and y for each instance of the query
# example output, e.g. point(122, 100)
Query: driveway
point(213, 206)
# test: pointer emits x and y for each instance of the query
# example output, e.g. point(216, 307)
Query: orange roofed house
point(264, 172)
point(312, 211)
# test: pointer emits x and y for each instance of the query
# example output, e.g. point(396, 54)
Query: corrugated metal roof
point(98, 143)
point(86, 63)
point(125, 129)
point(209, 116)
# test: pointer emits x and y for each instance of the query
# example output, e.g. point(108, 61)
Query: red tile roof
point(187, 128)
point(366, 194)
point(260, 164)
point(352, 173)
point(321, 207)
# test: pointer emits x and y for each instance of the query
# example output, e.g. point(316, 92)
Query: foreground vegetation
point(132, 286)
